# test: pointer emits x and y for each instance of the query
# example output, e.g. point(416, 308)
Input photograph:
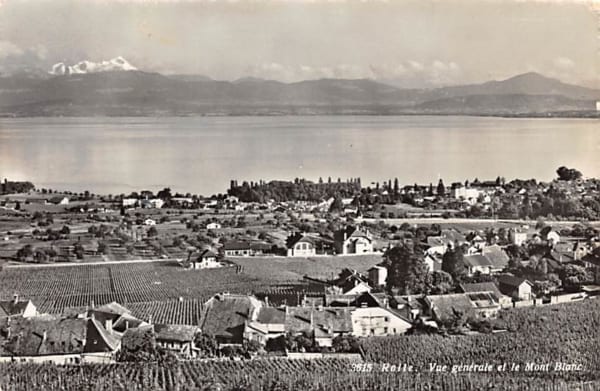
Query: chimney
point(16, 298)
point(108, 325)
point(44, 336)
point(267, 300)
point(126, 325)
point(150, 319)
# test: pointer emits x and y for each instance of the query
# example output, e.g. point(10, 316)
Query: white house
point(206, 260)
point(213, 226)
point(16, 308)
point(517, 237)
point(378, 321)
point(301, 246)
point(59, 200)
point(126, 202)
point(353, 240)
point(515, 287)
point(149, 222)
point(378, 275)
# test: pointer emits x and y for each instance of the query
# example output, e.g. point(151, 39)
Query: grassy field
point(289, 268)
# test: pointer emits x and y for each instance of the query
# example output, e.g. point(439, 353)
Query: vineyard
point(274, 374)
point(169, 312)
point(54, 289)
point(566, 333)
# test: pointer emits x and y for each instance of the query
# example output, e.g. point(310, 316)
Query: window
point(385, 330)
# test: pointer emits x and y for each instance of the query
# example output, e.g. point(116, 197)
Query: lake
point(201, 154)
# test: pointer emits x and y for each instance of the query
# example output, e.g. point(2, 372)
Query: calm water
point(201, 155)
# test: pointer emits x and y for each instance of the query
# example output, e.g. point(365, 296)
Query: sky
point(408, 43)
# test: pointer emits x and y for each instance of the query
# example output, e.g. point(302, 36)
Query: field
point(55, 288)
point(274, 374)
point(291, 268)
point(565, 333)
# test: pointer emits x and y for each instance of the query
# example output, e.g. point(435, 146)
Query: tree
point(568, 174)
point(65, 230)
point(79, 251)
point(573, 276)
point(453, 263)
point(24, 253)
point(440, 282)
point(441, 189)
point(407, 270)
point(152, 232)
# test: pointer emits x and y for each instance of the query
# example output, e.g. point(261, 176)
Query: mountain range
point(117, 88)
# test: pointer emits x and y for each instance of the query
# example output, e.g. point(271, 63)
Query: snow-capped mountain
point(115, 64)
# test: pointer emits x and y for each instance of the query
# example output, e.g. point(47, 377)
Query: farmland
point(274, 374)
point(567, 333)
point(55, 288)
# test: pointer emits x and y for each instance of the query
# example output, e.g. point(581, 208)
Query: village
point(284, 269)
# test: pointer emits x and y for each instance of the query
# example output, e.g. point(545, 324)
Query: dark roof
point(11, 308)
point(498, 258)
point(226, 315)
point(446, 307)
point(271, 315)
point(476, 260)
point(297, 238)
point(114, 308)
point(46, 335)
point(179, 333)
point(481, 287)
point(335, 319)
point(207, 254)
point(109, 339)
point(236, 245)
point(512, 280)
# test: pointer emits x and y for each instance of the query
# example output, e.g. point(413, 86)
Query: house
point(205, 260)
point(322, 323)
point(16, 308)
point(446, 308)
point(237, 248)
point(129, 202)
point(227, 316)
point(516, 287)
point(378, 321)
point(378, 275)
point(301, 245)
point(477, 263)
point(517, 237)
point(349, 282)
point(468, 194)
point(374, 317)
point(497, 257)
point(499, 297)
point(58, 340)
point(177, 338)
point(433, 262)
point(59, 200)
point(155, 203)
point(210, 226)
point(269, 323)
point(149, 222)
point(353, 240)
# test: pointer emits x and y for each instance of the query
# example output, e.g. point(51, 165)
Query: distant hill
point(133, 93)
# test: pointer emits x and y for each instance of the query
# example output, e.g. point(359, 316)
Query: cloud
point(9, 49)
point(563, 63)
point(409, 73)
point(14, 58)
